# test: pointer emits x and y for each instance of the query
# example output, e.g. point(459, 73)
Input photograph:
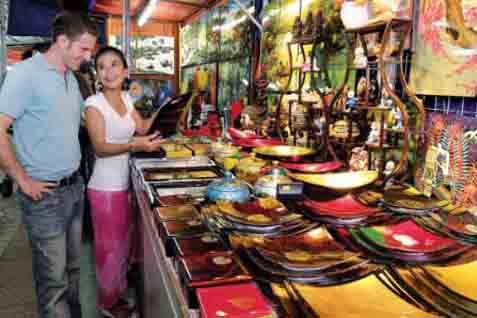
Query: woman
point(112, 121)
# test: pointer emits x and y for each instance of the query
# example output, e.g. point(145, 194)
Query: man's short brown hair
point(72, 25)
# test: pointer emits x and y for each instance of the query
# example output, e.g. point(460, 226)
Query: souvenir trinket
point(267, 185)
point(360, 60)
point(228, 189)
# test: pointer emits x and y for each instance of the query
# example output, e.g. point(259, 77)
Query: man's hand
point(36, 189)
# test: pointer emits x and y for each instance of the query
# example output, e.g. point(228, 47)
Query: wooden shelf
point(397, 131)
point(376, 146)
point(305, 40)
point(375, 108)
point(379, 26)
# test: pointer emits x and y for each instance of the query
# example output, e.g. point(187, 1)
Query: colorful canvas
point(150, 54)
point(458, 136)
point(445, 48)
point(234, 77)
point(278, 18)
point(235, 30)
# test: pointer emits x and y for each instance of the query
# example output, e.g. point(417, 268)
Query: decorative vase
point(353, 15)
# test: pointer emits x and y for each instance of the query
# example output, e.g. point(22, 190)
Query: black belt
point(66, 181)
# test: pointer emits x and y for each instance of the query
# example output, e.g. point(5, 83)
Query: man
point(41, 98)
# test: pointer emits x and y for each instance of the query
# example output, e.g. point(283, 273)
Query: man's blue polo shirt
point(46, 106)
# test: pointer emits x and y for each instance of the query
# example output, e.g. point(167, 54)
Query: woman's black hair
point(110, 49)
point(120, 54)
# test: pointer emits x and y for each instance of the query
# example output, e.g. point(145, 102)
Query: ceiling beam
point(185, 3)
point(196, 14)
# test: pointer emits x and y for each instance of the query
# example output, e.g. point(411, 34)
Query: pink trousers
point(113, 226)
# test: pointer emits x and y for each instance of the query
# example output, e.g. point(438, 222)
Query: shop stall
point(330, 187)
point(319, 157)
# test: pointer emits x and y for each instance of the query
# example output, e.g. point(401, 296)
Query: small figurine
point(264, 127)
point(249, 118)
point(359, 159)
point(351, 102)
point(360, 60)
point(297, 28)
point(302, 139)
point(397, 115)
point(377, 163)
point(288, 135)
point(320, 124)
point(341, 102)
point(373, 137)
point(318, 25)
point(309, 25)
point(373, 91)
point(361, 88)
point(307, 66)
point(389, 168)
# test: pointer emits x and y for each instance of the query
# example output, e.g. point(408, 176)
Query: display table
point(161, 290)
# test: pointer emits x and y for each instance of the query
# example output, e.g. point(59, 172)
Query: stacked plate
point(366, 297)
point(265, 216)
point(312, 257)
point(403, 242)
point(461, 227)
point(343, 211)
point(404, 201)
point(210, 269)
point(448, 291)
point(312, 167)
point(339, 182)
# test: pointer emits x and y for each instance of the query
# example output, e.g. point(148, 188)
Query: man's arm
point(13, 168)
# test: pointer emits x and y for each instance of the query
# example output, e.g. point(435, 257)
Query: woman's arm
point(97, 132)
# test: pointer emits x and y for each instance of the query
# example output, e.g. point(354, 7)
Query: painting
point(457, 138)
point(148, 93)
point(235, 30)
point(446, 46)
point(234, 78)
point(278, 19)
point(150, 54)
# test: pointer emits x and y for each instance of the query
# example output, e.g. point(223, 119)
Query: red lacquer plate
point(238, 300)
point(317, 167)
point(213, 269)
point(199, 245)
point(255, 142)
point(342, 207)
point(240, 134)
point(407, 236)
point(315, 242)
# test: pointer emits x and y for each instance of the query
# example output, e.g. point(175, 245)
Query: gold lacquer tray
point(345, 300)
point(456, 278)
point(340, 181)
point(284, 151)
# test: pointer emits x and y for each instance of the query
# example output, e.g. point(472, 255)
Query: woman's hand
point(149, 143)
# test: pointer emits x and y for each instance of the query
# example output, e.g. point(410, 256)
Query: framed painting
point(148, 92)
point(446, 43)
point(150, 54)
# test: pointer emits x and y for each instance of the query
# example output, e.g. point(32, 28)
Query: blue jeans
point(54, 229)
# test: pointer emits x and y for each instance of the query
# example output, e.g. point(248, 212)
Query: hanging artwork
point(235, 30)
point(150, 54)
point(454, 171)
point(446, 46)
point(234, 78)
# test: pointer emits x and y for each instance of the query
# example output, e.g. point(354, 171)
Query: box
point(237, 301)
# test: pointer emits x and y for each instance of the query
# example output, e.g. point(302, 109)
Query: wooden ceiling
point(171, 11)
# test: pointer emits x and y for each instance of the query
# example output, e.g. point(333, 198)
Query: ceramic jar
point(267, 185)
point(228, 189)
point(219, 151)
point(354, 15)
